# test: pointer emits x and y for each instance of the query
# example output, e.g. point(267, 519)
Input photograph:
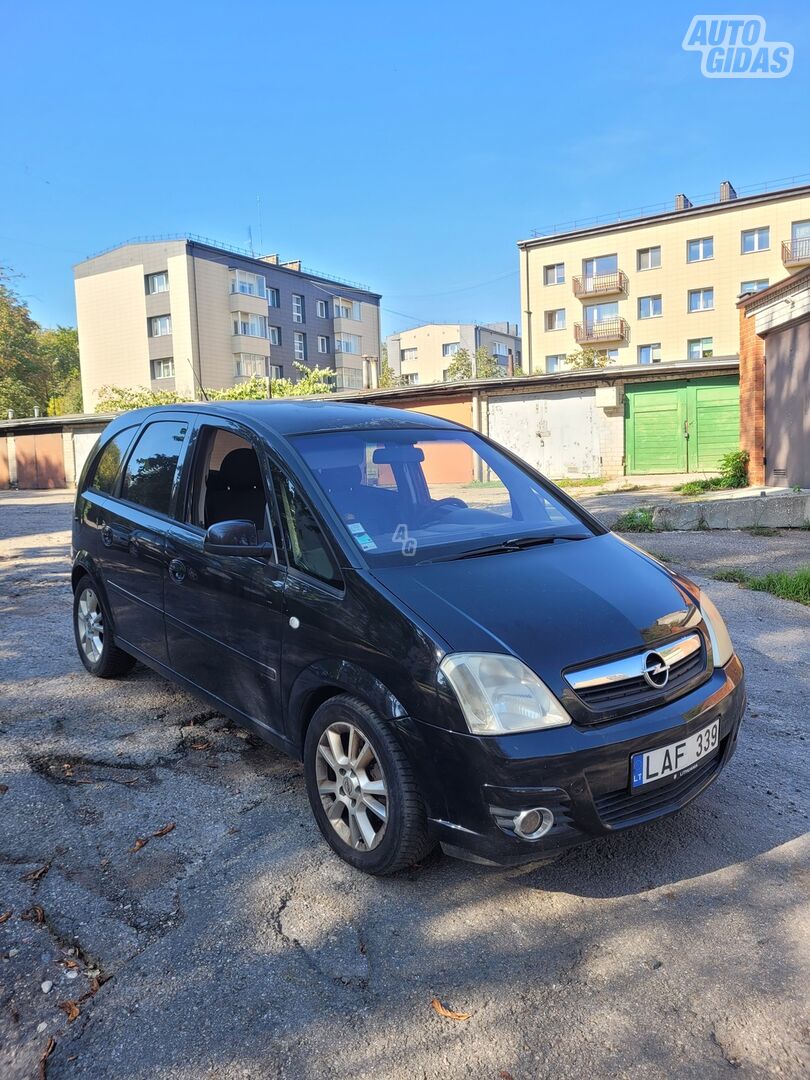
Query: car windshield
point(416, 493)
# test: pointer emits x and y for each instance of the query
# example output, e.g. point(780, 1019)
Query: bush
point(734, 469)
point(637, 520)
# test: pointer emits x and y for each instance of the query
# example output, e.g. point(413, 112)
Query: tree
point(460, 367)
point(59, 349)
point(587, 358)
point(23, 371)
point(388, 380)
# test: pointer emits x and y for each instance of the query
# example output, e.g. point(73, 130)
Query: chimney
point(727, 192)
point(269, 259)
point(294, 265)
point(682, 203)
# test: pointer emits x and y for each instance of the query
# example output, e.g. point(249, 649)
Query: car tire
point(94, 640)
point(348, 790)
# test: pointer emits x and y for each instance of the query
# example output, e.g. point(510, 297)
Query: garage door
point(681, 426)
point(40, 461)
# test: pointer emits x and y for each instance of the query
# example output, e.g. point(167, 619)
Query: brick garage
point(775, 382)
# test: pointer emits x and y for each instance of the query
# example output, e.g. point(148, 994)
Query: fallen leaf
point(504, 1075)
point(35, 875)
point(449, 1014)
point(200, 745)
point(70, 964)
point(140, 842)
point(33, 914)
point(70, 1009)
point(43, 1057)
point(5, 916)
point(165, 830)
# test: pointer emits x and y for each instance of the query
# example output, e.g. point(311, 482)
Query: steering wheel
point(438, 506)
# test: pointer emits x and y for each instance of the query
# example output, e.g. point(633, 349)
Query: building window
point(649, 307)
point(411, 379)
point(273, 299)
point(555, 362)
point(274, 333)
point(649, 354)
point(450, 348)
point(160, 325)
point(408, 356)
point(300, 346)
point(297, 307)
point(611, 355)
point(554, 274)
point(250, 284)
point(346, 309)
point(348, 378)
point(322, 309)
point(348, 343)
point(249, 325)
point(323, 343)
point(649, 258)
point(274, 371)
point(698, 250)
point(163, 369)
point(700, 348)
point(500, 349)
point(157, 283)
point(246, 365)
point(555, 320)
point(701, 299)
point(753, 286)
point(755, 240)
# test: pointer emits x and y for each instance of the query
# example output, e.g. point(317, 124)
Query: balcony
point(601, 332)
point(796, 252)
point(613, 283)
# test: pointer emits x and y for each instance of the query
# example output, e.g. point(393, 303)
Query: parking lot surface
point(232, 943)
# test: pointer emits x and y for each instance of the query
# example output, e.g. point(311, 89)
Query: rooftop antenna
point(196, 380)
point(250, 239)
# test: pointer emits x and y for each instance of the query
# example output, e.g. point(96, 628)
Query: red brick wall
point(752, 397)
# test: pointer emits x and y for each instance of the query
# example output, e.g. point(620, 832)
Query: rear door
point(133, 528)
point(223, 613)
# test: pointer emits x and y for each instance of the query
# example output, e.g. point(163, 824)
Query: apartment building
point(661, 287)
point(423, 354)
point(183, 314)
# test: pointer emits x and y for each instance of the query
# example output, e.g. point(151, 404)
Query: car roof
point(301, 417)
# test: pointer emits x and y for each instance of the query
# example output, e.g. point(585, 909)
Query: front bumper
point(474, 785)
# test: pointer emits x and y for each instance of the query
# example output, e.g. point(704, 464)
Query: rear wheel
point(362, 790)
point(94, 640)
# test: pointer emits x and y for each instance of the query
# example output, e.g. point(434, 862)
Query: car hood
point(554, 606)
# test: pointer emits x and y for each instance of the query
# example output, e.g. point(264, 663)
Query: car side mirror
point(235, 538)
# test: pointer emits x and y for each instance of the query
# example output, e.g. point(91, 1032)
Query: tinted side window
point(150, 471)
point(109, 461)
point(307, 549)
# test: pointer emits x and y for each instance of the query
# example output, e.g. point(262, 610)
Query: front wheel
point(94, 640)
point(362, 790)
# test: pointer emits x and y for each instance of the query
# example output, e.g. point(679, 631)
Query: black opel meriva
point(458, 651)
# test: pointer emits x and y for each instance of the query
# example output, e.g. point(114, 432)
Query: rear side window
point(152, 466)
point(108, 463)
point(307, 549)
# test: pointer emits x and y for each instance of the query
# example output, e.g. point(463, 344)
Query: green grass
point(580, 481)
point(698, 487)
point(787, 585)
point(484, 484)
point(761, 530)
point(639, 520)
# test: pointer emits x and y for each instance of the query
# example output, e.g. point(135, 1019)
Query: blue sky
point(405, 146)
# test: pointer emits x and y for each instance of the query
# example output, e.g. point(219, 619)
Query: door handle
point(106, 536)
point(686, 429)
point(178, 571)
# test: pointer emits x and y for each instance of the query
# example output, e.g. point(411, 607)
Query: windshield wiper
point(517, 543)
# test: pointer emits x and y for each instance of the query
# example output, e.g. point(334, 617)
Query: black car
point(457, 650)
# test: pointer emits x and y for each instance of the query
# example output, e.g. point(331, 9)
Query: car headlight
point(722, 649)
point(500, 695)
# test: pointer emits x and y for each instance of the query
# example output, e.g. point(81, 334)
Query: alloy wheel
point(90, 620)
point(352, 786)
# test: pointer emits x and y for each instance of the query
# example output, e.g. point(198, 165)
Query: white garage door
point(556, 433)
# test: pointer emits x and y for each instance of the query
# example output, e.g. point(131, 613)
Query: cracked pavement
point(236, 945)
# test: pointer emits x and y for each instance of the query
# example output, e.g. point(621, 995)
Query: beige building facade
point(661, 288)
point(185, 314)
point(422, 355)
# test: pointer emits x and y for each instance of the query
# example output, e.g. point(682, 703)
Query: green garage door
point(675, 427)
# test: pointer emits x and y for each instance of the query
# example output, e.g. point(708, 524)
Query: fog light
point(532, 824)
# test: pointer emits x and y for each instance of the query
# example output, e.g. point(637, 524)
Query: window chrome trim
point(632, 667)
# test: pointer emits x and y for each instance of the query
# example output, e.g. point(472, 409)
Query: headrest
point(240, 469)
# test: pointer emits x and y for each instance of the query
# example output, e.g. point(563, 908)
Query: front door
point(132, 530)
point(223, 613)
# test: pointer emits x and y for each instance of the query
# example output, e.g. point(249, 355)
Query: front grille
point(620, 808)
point(631, 693)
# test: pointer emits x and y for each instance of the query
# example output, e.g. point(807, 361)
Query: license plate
point(675, 759)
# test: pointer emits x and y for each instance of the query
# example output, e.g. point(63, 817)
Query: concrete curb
point(777, 511)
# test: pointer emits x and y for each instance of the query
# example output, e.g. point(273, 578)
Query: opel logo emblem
point(656, 670)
